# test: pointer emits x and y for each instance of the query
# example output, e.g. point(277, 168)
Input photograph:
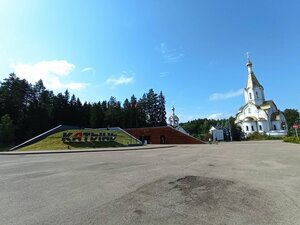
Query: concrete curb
point(86, 150)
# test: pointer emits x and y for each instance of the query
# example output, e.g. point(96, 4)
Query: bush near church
point(261, 136)
point(292, 139)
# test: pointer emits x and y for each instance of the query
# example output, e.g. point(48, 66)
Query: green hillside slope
point(101, 138)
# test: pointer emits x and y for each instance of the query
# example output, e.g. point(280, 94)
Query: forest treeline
point(199, 128)
point(27, 110)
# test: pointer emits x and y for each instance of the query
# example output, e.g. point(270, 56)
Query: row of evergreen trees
point(27, 110)
point(199, 128)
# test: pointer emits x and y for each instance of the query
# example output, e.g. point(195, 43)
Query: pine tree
point(85, 115)
point(142, 111)
point(161, 110)
point(96, 115)
point(126, 114)
point(152, 116)
point(7, 130)
point(133, 112)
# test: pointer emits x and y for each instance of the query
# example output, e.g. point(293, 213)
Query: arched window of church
point(247, 128)
point(260, 127)
point(275, 127)
point(249, 110)
point(256, 94)
point(250, 95)
point(252, 128)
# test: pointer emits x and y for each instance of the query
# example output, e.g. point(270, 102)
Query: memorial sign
point(80, 136)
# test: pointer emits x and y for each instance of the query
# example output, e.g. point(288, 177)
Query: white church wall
point(277, 133)
point(262, 114)
point(254, 96)
point(240, 117)
point(276, 125)
point(249, 127)
point(263, 126)
point(249, 95)
point(258, 95)
point(251, 111)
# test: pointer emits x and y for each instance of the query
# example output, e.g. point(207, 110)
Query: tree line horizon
point(27, 110)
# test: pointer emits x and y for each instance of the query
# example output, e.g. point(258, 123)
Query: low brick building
point(162, 135)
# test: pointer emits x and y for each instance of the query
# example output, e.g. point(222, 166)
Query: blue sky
point(194, 51)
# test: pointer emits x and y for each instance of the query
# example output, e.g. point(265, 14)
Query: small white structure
point(217, 134)
point(174, 122)
point(259, 115)
point(173, 119)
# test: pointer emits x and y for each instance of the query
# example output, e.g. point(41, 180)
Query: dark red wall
point(172, 136)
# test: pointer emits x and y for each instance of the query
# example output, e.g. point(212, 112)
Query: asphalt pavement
point(230, 183)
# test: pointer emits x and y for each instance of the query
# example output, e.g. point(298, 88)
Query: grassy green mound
point(54, 141)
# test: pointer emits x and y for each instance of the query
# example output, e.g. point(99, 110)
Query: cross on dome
point(173, 119)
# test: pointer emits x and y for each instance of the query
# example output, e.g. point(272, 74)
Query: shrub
point(292, 139)
point(260, 136)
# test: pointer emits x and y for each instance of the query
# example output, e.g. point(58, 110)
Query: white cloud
point(186, 118)
point(115, 81)
point(227, 95)
point(87, 69)
point(76, 86)
point(170, 55)
point(51, 72)
point(215, 116)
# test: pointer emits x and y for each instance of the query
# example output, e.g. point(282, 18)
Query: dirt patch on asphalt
point(192, 200)
point(202, 190)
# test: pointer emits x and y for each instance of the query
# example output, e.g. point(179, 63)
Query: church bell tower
point(254, 91)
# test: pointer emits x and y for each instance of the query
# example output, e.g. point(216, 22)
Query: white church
point(259, 115)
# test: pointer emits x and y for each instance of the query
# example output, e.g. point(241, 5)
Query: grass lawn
point(54, 142)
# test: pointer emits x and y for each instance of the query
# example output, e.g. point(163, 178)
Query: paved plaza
point(229, 183)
